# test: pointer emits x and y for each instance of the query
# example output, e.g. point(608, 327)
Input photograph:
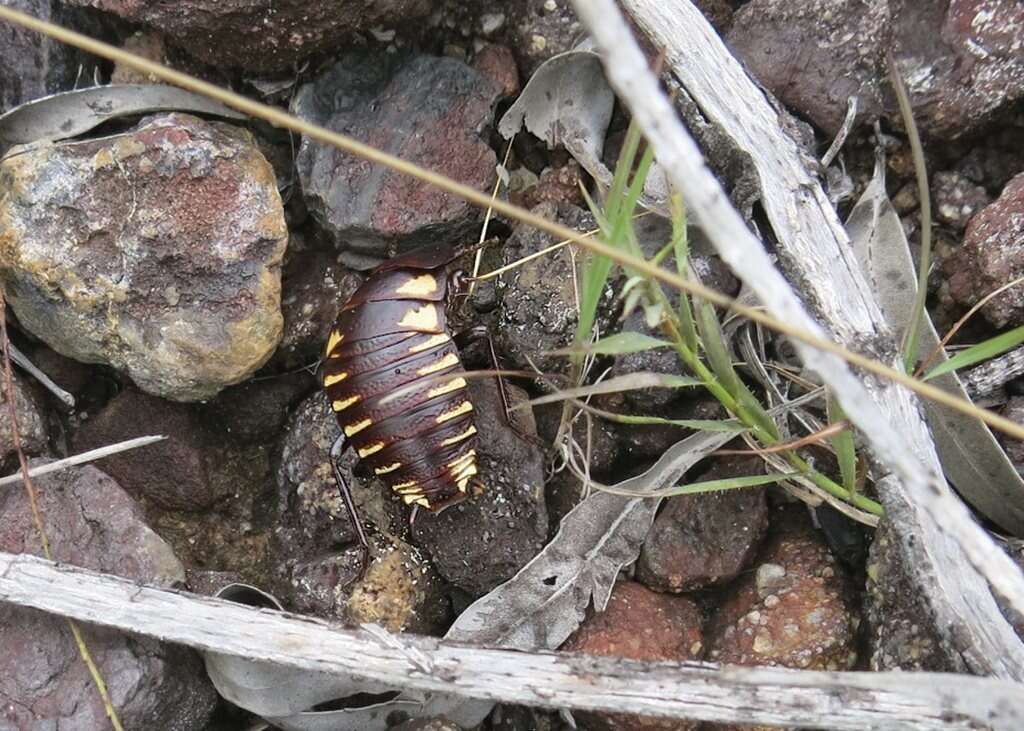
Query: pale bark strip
point(935, 528)
point(792, 698)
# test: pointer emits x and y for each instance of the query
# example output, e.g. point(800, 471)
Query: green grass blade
point(715, 425)
point(696, 488)
point(981, 352)
point(619, 344)
point(846, 449)
point(681, 247)
point(715, 350)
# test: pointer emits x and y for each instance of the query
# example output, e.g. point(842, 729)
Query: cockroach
point(395, 379)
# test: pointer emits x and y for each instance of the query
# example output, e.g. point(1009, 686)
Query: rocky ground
point(178, 275)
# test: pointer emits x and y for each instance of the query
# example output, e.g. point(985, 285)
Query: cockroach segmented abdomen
point(396, 383)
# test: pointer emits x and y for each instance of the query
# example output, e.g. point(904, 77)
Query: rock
point(92, 386)
point(156, 251)
point(795, 610)
point(400, 590)
point(427, 110)
point(314, 287)
point(841, 40)
point(427, 724)
point(261, 37)
point(996, 158)
point(497, 63)
point(556, 184)
point(311, 517)
point(174, 473)
point(699, 541)
point(901, 634)
point(956, 199)
point(602, 439)
point(639, 624)
point(92, 523)
point(639, 442)
point(31, 65)
point(538, 302)
point(542, 29)
point(148, 45)
point(991, 256)
point(256, 411)
point(524, 718)
point(961, 59)
point(31, 416)
point(482, 542)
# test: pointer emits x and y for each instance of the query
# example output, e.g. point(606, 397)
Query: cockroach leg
point(346, 495)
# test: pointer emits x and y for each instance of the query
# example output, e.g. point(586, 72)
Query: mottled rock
point(961, 58)
point(698, 541)
point(600, 441)
point(148, 45)
point(638, 442)
point(400, 589)
point(31, 65)
point(260, 36)
point(156, 251)
point(91, 522)
point(497, 63)
point(992, 254)
point(31, 416)
point(996, 158)
point(524, 718)
point(640, 624)
point(482, 542)
point(556, 184)
point(174, 473)
point(538, 302)
point(427, 724)
point(956, 199)
point(815, 55)
point(794, 610)
point(427, 110)
point(314, 286)
point(901, 634)
point(542, 29)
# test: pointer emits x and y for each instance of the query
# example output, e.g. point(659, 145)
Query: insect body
point(394, 378)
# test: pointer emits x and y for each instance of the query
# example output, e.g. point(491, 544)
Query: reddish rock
point(497, 63)
point(814, 55)
point(426, 110)
point(156, 251)
point(640, 624)
point(91, 522)
point(961, 58)
point(259, 36)
point(992, 255)
point(560, 184)
point(794, 609)
point(699, 541)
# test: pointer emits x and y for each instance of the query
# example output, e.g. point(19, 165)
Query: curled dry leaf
point(71, 113)
point(970, 455)
point(568, 102)
point(538, 608)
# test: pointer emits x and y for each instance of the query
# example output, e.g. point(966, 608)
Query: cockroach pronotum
point(394, 377)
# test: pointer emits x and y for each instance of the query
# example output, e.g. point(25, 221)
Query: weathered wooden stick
point(793, 698)
point(951, 558)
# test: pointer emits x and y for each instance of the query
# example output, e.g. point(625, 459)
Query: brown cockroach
point(395, 380)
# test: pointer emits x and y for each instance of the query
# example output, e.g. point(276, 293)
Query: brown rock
point(992, 255)
point(497, 63)
point(542, 29)
point(156, 251)
point(173, 474)
point(259, 36)
point(424, 109)
point(698, 541)
point(92, 523)
point(793, 610)
point(148, 45)
point(961, 57)
point(1014, 411)
point(557, 184)
point(639, 624)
